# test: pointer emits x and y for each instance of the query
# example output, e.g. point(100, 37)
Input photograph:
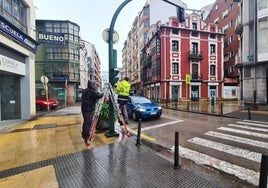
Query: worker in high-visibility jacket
point(122, 89)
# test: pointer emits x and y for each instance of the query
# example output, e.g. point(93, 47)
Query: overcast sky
point(95, 16)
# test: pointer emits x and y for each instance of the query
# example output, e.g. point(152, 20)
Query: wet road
point(231, 145)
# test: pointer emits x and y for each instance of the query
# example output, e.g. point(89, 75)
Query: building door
point(195, 93)
point(10, 97)
point(174, 93)
point(212, 92)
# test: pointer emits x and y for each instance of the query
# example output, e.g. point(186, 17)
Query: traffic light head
point(114, 76)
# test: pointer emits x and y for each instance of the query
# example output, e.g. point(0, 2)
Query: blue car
point(139, 107)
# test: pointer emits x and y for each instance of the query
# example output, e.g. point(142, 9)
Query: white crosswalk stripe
point(238, 139)
point(251, 133)
point(260, 135)
point(227, 149)
point(248, 127)
point(253, 123)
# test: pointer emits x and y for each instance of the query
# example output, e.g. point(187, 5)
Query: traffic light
point(114, 76)
point(180, 14)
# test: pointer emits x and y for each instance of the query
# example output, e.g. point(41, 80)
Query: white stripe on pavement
point(244, 132)
point(238, 139)
point(200, 158)
point(262, 122)
point(252, 123)
point(247, 127)
point(227, 149)
point(160, 125)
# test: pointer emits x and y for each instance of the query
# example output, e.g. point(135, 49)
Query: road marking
point(247, 127)
point(244, 132)
point(118, 130)
point(238, 139)
point(142, 135)
point(250, 123)
point(203, 159)
point(160, 125)
point(227, 149)
point(170, 118)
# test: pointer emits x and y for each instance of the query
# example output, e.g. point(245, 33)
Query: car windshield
point(140, 100)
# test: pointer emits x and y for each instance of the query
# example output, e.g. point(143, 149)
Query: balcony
point(195, 56)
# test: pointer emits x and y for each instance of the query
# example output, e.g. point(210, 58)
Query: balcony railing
point(195, 56)
point(196, 76)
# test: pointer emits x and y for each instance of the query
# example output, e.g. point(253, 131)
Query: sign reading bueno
point(45, 37)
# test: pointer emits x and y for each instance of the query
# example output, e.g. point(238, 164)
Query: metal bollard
point(263, 171)
point(249, 116)
point(139, 134)
point(176, 151)
point(221, 108)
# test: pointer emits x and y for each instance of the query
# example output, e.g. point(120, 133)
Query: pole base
point(111, 134)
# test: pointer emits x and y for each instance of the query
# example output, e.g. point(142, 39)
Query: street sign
point(105, 36)
point(44, 80)
point(250, 57)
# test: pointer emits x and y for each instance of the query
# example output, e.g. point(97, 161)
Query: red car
point(42, 103)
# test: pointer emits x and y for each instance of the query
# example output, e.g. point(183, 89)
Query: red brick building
point(225, 13)
point(183, 61)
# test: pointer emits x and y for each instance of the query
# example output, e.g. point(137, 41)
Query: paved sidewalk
point(108, 164)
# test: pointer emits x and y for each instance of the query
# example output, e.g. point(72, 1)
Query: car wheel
point(134, 116)
point(38, 107)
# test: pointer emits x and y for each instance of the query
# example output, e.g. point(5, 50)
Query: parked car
point(139, 107)
point(41, 103)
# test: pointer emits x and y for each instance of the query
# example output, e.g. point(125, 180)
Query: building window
point(212, 49)
point(231, 7)
point(175, 68)
point(216, 21)
point(195, 47)
point(212, 35)
point(216, 7)
point(225, 28)
point(15, 12)
point(175, 45)
point(262, 4)
point(194, 26)
point(231, 24)
point(225, 14)
point(226, 44)
point(231, 39)
point(212, 70)
point(231, 54)
point(263, 43)
point(231, 69)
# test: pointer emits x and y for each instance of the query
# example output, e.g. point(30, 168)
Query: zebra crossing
point(231, 140)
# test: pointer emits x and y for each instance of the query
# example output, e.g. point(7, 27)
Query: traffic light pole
point(112, 65)
point(111, 132)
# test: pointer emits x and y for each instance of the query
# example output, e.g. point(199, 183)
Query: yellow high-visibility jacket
point(123, 88)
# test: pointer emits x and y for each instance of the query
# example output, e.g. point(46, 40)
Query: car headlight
point(141, 110)
point(159, 107)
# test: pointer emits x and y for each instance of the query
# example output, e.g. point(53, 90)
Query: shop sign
point(11, 65)
point(46, 37)
point(17, 34)
point(60, 77)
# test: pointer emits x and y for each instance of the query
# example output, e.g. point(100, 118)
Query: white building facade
point(254, 51)
point(17, 59)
